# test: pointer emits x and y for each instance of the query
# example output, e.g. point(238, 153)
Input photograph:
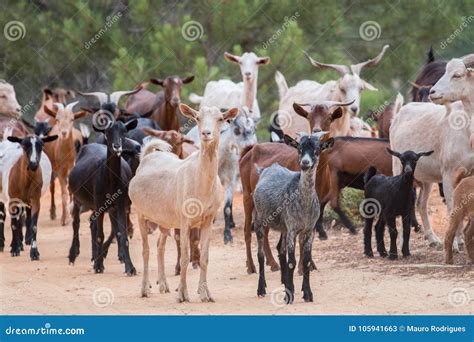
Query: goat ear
point(15, 139)
point(49, 138)
point(188, 111)
point(368, 86)
point(231, 58)
point(424, 154)
point(230, 114)
point(156, 81)
point(290, 141)
point(263, 60)
point(71, 93)
point(80, 114)
point(49, 112)
point(300, 110)
point(131, 124)
point(47, 93)
point(337, 113)
point(393, 153)
point(328, 144)
point(188, 79)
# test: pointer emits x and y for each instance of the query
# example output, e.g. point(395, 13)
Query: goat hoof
point(353, 231)
point(21, 247)
point(261, 292)
point(308, 296)
point(182, 296)
point(232, 225)
point(34, 254)
point(288, 296)
point(312, 266)
point(98, 267)
point(163, 286)
point(227, 238)
point(52, 215)
point(393, 256)
point(15, 252)
point(251, 269)
point(196, 265)
point(131, 271)
point(1, 249)
point(323, 235)
point(177, 270)
point(274, 267)
point(369, 254)
point(417, 228)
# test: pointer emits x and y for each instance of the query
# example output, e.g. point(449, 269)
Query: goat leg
point(74, 250)
point(308, 242)
point(345, 219)
point(119, 220)
point(261, 292)
point(414, 221)
point(290, 287)
point(268, 252)
point(406, 235)
point(52, 210)
point(29, 232)
point(392, 226)
point(177, 268)
point(34, 213)
point(368, 237)
point(194, 247)
point(379, 236)
point(2, 226)
point(312, 265)
point(16, 238)
point(98, 239)
point(319, 223)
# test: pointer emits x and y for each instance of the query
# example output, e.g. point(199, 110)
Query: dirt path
point(345, 283)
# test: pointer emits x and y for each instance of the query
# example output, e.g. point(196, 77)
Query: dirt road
point(345, 283)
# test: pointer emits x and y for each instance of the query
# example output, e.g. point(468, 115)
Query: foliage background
point(147, 41)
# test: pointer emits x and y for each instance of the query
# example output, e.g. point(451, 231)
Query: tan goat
point(463, 207)
point(62, 152)
point(180, 193)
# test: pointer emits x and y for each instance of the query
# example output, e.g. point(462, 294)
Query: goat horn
point(331, 104)
point(102, 97)
point(468, 60)
point(59, 105)
point(341, 69)
point(356, 68)
point(116, 95)
point(71, 105)
point(417, 86)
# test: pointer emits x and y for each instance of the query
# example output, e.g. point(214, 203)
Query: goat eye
point(457, 76)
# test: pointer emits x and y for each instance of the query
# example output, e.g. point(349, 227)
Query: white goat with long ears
point(9, 105)
point(346, 89)
point(180, 193)
point(445, 127)
point(227, 94)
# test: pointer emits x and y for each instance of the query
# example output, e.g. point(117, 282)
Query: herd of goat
point(142, 160)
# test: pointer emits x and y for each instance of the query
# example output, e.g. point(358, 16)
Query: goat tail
point(369, 174)
point(153, 145)
point(398, 104)
point(195, 98)
point(459, 175)
point(281, 83)
point(430, 55)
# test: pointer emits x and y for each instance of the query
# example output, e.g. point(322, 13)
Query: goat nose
point(116, 146)
point(206, 133)
point(432, 91)
point(316, 130)
point(354, 108)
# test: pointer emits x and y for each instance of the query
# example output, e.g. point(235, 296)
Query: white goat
point(448, 130)
point(227, 94)
point(234, 138)
point(183, 194)
point(346, 89)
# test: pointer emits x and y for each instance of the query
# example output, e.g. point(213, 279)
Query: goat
point(390, 197)
point(227, 94)
point(347, 88)
point(177, 141)
point(320, 118)
point(235, 137)
point(286, 201)
point(99, 182)
point(10, 111)
point(428, 76)
point(62, 152)
point(451, 134)
point(360, 128)
point(25, 175)
point(163, 104)
point(185, 193)
point(463, 207)
point(50, 97)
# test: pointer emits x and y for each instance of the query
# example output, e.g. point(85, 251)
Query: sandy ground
point(346, 282)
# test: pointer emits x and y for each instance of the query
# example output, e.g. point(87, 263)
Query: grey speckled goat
point(286, 201)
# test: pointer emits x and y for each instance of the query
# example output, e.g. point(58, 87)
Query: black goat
point(390, 197)
point(99, 182)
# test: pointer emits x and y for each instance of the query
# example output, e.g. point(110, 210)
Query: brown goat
point(62, 153)
point(177, 141)
point(50, 96)
point(164, 103)
point(463, 207)
point(383, 120)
